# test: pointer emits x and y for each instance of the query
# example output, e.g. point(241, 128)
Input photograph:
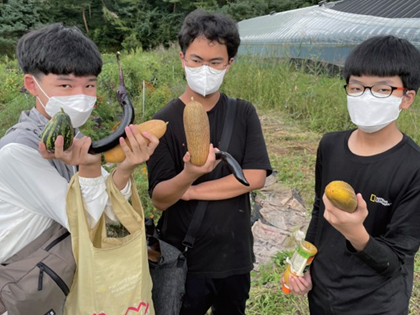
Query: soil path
point(282, 207)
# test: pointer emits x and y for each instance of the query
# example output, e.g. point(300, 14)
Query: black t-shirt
point(223, 245)
point(377, 280)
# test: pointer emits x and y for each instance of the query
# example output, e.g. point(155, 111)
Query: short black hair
point(59, 50)
point(385, 56)
point(213, 26)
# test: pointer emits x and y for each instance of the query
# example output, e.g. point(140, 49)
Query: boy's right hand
point(350, 225)
point(77, 154)
point(193, 171)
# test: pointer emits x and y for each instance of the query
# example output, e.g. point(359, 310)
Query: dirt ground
point(292, 151)
point(285, 137)
point(281, 208)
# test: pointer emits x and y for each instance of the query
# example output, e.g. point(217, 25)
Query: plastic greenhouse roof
point(383, 8)
point(319, 33)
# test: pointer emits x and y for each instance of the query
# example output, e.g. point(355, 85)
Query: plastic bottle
point(301, 259)
point(285, 287)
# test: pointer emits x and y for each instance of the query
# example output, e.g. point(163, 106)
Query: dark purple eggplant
point(127, 118)
point(233, 166)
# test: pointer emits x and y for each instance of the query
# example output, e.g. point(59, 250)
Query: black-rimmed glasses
point(195, 63)
point(380, 90)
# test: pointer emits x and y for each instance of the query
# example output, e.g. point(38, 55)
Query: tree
point(246, 9)
point(123, 24)
point(16, 18)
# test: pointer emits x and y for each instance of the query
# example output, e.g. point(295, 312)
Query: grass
point(266, 295)
point(296, 104)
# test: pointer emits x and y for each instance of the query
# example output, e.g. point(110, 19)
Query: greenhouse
point(329, 31)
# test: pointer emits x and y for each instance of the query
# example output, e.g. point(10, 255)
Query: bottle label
point(303, 253)
point(300, 261)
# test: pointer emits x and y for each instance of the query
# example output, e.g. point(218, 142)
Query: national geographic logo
point(380, 200)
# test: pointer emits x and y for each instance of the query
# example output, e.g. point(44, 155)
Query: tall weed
point(307, 94)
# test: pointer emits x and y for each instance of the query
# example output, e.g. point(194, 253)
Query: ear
point(408, 99)
point(30, 85)
point(229, 64)
point(181, 57)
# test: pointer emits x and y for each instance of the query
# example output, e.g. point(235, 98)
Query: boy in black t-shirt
point(364, 265)
point(220, 262)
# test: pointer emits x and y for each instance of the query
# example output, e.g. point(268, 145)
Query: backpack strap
point(3, 308)
point(199, 212)
point(40, 241)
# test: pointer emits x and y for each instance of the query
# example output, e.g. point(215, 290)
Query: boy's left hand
point(140, 150)
point(77, 154)
point(349, 224)
point(299, 285)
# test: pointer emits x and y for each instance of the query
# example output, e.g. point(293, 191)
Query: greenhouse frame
point(328, 31)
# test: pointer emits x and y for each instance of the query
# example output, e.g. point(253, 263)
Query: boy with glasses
point(365, 259)
point(220, 262)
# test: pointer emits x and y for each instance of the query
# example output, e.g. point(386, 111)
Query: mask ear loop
point(41, 91)
point(40, 87)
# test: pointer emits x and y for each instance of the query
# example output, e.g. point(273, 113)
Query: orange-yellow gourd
point(341, 195)
point(197, 132)
point(156, 127)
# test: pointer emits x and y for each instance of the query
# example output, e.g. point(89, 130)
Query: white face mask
point(78, 107)
point(370, 113)
point(204, 80)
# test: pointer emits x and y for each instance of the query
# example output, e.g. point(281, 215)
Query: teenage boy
point(60, 68)
point(364, 265)
point(222, 257)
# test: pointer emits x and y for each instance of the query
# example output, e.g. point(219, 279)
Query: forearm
point(168, 192)
point(226, 187)
point(358, 238)
point(121, 178)
point(92, 170)
point(379, 256)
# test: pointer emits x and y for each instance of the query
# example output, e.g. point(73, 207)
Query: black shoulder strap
point(228, 124)
point(198, 216)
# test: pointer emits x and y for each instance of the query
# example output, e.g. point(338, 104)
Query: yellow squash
point(156, 127)
point(341, 195)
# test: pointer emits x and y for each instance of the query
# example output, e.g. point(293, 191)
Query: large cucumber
point(59, 125)
point(197, 132)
